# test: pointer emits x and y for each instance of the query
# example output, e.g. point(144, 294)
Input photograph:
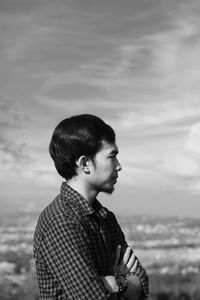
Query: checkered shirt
point(74, 244)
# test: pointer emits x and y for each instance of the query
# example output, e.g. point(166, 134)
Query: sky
point(134, 63)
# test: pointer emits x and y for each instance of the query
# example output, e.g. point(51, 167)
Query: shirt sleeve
point(140, 272)
point(66, 254)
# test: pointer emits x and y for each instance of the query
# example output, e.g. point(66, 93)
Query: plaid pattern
point(73, 245)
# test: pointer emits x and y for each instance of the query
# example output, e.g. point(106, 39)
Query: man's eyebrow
point(114, 151)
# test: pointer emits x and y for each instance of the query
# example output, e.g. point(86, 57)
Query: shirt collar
point(77, 200)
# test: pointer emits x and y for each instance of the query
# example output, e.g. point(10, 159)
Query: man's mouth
point(115, 179)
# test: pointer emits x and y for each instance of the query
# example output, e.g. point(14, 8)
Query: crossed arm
point(64, 251)
point(127, 267)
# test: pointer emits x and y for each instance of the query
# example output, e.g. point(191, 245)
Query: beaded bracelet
point(122, 283)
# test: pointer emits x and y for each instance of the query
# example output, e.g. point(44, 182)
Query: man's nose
point(118, 167)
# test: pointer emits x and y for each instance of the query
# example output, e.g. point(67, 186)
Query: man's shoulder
point(52, 211)
point(56, 215)
point(57, 212)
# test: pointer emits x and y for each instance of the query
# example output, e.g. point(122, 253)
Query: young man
point(79, 248)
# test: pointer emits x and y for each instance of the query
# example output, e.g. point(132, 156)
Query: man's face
point(105, 168)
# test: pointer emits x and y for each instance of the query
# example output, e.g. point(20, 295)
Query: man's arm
point(139, 272)
point(65, 252)
point(125, 267)
point(142, 277)
point(133, 292)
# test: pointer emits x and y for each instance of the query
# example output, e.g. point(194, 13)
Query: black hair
point(76, 136)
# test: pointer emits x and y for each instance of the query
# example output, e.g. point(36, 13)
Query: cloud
point(193, 141)
point(141, 161)
point(145, 178)
point(184, 163)
point(47, 176)
point(157, 56)
point(162, 164)
point(133, 63)
point(76, 91)
point(119, 21)
point(19, 6)
point(168, 114)
point(10, 116)
point(13, 155)
point(195, 187)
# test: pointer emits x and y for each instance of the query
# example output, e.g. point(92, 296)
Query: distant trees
point(20, 259)
point(174, 287)
point(25, 291)
point(180, 296)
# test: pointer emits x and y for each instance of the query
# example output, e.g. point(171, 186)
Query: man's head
point(77, 136)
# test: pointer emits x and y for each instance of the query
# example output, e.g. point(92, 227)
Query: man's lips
point(115, 178)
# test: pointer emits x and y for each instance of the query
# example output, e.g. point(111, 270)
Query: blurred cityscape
point(169, 249)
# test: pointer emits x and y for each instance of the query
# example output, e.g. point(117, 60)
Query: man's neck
point(83, 189)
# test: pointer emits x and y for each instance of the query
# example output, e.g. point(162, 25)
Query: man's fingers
point(117, 256)
point(134, 267)
point(131, 261)
point(128, 263)
point(126, 256)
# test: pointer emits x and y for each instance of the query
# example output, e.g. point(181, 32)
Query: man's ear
point(83, 163)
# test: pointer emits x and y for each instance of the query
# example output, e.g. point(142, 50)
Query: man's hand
point(110, 283)
point(127, 264)
point(124, 266)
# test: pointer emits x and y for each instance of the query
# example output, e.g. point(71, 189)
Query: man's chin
point(108, 191)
